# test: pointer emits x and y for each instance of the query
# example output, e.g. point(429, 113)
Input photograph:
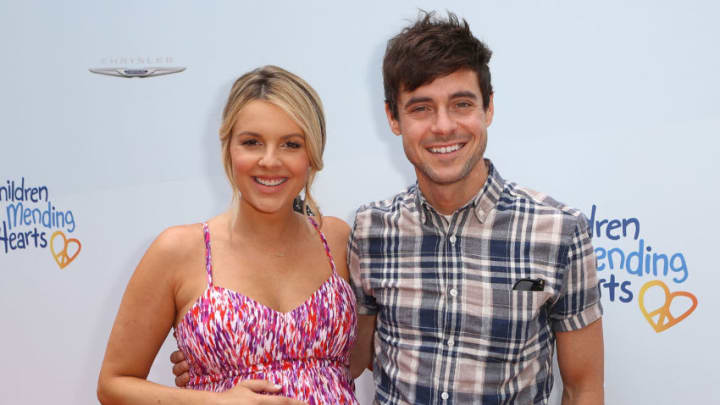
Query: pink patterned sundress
point(228, 337)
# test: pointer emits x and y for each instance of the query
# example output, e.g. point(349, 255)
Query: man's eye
point(463, 104)
point(420, 108)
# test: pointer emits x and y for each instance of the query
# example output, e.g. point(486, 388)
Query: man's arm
point(362, 353)
point(578, 325)
point(367, 308)
point(581, 359)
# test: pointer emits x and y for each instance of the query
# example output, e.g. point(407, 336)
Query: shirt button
point(453, 292)
point(444, 396)
point(452, 239)
point(451, 342)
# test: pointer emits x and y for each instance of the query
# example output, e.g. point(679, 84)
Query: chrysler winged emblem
point(137, 72)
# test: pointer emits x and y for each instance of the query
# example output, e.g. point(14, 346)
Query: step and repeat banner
point(110, 114)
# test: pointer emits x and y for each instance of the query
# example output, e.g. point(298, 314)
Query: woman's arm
point(146, 314)
point(143, 321)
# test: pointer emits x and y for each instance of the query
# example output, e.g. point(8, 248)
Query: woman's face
point(269, 157)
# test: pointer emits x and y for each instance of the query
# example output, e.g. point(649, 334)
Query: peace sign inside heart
point(63, 257)
point(660, 317)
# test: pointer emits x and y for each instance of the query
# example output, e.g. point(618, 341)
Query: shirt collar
point(483, 202)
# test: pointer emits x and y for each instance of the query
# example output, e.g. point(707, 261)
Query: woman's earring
point(298, 204)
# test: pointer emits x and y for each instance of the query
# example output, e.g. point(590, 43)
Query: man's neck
point(447, 198)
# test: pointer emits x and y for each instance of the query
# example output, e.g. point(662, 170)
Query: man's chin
point(443, 178)
point(448, 175)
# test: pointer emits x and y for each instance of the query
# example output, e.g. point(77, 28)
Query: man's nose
point(444, 123)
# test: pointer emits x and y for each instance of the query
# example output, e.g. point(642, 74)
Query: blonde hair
point(295, 96)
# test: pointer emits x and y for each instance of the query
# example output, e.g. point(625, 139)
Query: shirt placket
point(449, 295)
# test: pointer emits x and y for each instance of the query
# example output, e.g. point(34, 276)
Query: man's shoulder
point(536, 199)
point(540, 205)
point(376, 215)
point(405, 199)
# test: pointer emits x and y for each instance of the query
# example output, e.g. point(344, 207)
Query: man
point(466, 283)
point(469, 280)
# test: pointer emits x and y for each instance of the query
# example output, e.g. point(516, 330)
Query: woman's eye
point(293, 145)
point(250, 142)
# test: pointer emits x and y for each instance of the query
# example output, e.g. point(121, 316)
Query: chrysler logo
point(137, 72)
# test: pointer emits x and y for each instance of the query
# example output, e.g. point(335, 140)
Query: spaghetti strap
point(325, 243)
point(208, 256)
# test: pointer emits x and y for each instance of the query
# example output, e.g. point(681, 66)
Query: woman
point(258, 295)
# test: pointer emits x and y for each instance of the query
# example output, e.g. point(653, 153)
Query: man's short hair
point(430, 48)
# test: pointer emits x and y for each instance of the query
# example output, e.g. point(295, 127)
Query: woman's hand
point(255, 392)
point(245, 392)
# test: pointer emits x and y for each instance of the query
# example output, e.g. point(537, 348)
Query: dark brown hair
point(430, 48)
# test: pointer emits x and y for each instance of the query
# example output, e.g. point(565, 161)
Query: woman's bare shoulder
point(173, 252)
point(337, 233)
point(336, 227)
point(179, 241)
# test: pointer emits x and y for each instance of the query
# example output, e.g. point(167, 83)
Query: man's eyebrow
point(467, 94)
point(415, 100)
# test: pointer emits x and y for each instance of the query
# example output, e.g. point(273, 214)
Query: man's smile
point(446, 148)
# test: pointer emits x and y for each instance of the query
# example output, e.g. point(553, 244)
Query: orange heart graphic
point(62, 258)
point(665, 319)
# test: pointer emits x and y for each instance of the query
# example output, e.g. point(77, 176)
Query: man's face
point(444, 128)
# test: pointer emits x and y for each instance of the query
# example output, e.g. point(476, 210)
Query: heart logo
point(665, 320)
point(63, 258)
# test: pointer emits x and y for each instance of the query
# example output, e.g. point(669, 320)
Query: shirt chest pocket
point(503, 324)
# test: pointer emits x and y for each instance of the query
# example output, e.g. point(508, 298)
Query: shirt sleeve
point(579, 302)
point(358, 264)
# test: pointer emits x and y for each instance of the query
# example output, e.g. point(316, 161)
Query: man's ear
point(394, 124)
point(489, 111)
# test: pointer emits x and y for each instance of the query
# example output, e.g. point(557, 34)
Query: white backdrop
point(599, 104)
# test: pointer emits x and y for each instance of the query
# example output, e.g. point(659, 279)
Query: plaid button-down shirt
point(450, 328)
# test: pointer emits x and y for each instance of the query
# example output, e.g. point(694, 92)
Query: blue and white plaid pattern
point(450, 329)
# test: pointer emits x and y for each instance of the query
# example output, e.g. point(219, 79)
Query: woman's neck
point(266, 228)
